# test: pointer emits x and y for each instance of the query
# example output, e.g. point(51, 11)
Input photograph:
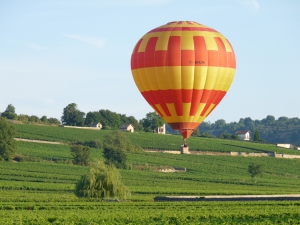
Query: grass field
point(145, 140)
point(41, 191)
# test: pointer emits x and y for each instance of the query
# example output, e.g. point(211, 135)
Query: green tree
point(115, 156)
point(115, 148)
point(110, 120)
point(81, 154)
point(93, 117)
point(256, 136)
point(152, 121)
point(53, 121)
point(102, 182)
point(72, 116)
point(255, 170)
point(44, 119)
point(23, 117)
point(8, 145)
point(10, 113)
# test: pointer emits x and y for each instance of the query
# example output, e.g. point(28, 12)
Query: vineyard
point(145, 140)
point(40, 188)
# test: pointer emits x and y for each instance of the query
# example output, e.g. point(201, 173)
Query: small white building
point(127, 128)
point(161, 130)
point(245, 135)
point(96, 125)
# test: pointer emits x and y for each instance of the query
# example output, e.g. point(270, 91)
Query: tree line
point(72, 116)
point(10, 113)
point(109, 120)
point(271, 130)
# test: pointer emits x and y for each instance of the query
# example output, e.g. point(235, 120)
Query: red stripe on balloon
point(174, 51)
point(178, 97)
point(174, 56)
point(213, 98)
point(221, 52)
point(135, 54)
point(149, 59)
point(231, 60)
point(200, 51)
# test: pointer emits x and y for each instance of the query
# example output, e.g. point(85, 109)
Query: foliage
point(281, 130)
point(81, 154)
point(115, 156)
point(43, 192)
point(35, 119)
point(255, 170)
point(72, 116)
point(103, 181)
point(256, 136)
point(229, 136)
point(145, 140)
point(152, 121)
point(8, 145)
point(116, 145)
point(118, 139)
point(196, 133)
point(92, 144)
point(111, 120)
point(10, 113)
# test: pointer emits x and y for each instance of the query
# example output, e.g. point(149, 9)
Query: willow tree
point(102, 182)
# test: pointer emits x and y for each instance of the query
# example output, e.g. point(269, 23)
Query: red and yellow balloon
point(183, 69)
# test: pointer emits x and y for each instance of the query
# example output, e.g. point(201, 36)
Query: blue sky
point(56, 52)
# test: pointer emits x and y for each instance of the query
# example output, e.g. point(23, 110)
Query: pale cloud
point(37, 47)
point(252, 4)
point(98, 42)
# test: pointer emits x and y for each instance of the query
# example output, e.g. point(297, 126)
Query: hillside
point(145, 140)
point(40, 187)
point(271, 130)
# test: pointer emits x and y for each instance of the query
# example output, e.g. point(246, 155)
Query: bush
point(101, 182)
point(8, 145)
point(81, 154)
point(115, 155)
point(254, 170)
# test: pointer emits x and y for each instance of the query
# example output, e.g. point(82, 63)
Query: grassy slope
point(47, 187)
point(146, 140)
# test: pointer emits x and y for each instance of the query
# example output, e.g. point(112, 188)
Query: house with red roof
point(245, 135)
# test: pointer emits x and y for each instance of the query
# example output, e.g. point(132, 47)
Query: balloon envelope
point(183, 69)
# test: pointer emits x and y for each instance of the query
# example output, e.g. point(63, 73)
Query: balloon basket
point(184, 150)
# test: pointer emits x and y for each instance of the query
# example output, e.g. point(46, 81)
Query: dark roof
point(124, 126)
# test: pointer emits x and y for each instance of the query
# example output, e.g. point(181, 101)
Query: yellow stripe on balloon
point(187, 40)
point(186, 118)
point(152, 78)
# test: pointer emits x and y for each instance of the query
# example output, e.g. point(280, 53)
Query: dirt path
point(292, 197)
point(38, 141)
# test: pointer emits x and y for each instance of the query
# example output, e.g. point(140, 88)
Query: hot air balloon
point(183, 69)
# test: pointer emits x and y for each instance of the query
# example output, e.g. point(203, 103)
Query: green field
point(40, 191)
point(145, 140)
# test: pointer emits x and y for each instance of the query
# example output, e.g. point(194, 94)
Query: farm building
point(245, 135)
point(127, 128)
point(96, 125)
point(161, 130)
